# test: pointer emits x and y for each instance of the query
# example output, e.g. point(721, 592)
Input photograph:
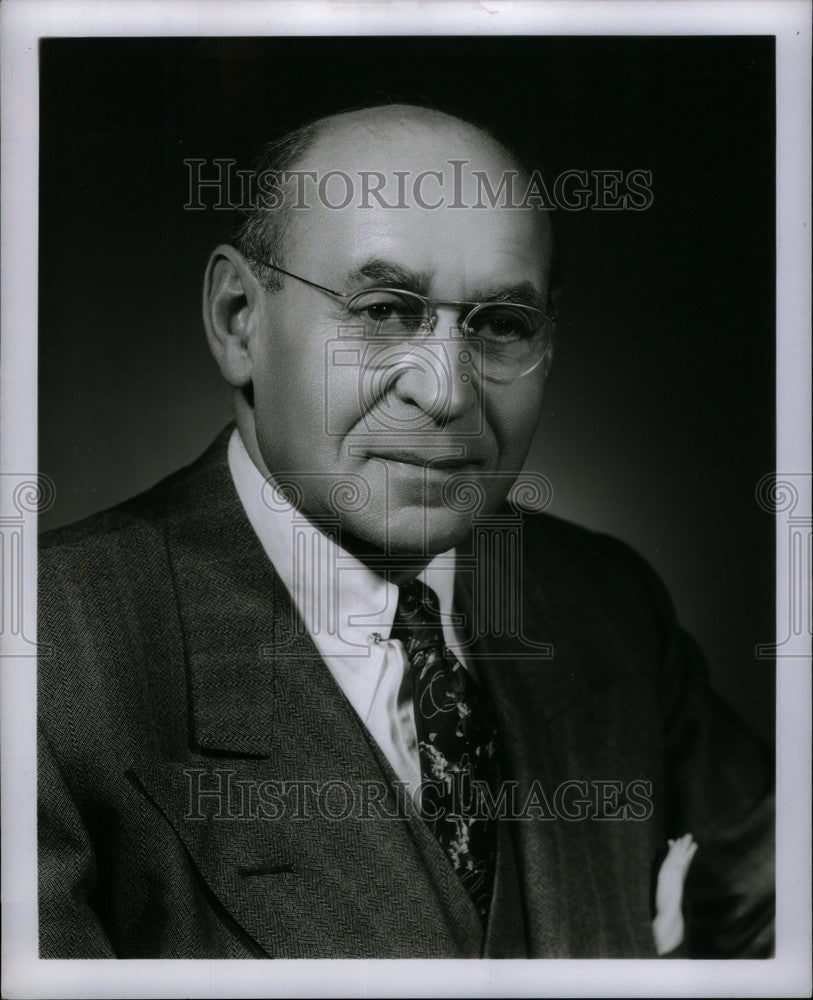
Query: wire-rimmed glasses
point(512, 337)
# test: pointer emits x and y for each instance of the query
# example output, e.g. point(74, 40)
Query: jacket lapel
point(506, 934)
point(526, 686)
point(531, 680)
point(461, 916)
point(269, 725)
point(579, 897)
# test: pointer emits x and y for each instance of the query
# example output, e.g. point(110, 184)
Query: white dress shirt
point(348, 610)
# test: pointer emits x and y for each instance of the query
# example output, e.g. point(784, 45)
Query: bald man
point(331, 691)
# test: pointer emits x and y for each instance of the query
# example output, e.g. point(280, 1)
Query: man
point(324, 693)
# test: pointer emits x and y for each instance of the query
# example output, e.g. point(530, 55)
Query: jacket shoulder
point(583, 548)
point(105, 584)
point(588, 572)
point(142, 517)
point(107, 616)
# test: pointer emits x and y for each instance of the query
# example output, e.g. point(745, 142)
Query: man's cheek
point(513, 417)
point(341, 395)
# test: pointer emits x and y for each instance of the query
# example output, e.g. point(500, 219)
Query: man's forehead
point(415, 187)
point(383, 140)
point(443, 246)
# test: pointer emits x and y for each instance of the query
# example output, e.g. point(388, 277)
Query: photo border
point(24, 974)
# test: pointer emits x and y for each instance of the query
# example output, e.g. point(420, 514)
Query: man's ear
point(232, 307)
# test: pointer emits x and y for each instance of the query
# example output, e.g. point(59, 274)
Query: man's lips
point(433, 460)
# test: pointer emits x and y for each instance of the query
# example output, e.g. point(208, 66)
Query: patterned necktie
point(457, 742)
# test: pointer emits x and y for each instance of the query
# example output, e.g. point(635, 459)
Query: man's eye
point(388, 312)
point(503, 323)
point(501, 326)
point(379, 311)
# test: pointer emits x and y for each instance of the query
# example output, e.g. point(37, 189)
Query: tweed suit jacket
point(178, 691)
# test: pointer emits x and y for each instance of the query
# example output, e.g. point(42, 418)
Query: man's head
point(409, 424)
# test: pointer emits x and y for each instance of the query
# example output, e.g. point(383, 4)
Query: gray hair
point(260, 234)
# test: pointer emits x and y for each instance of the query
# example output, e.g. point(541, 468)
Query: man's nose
point(440, 377)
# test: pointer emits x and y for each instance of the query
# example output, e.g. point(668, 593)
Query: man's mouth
point(431, 460)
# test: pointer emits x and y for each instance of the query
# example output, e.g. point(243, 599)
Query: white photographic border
point(23, 23)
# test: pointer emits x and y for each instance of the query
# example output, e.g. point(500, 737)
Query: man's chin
point(412, 531)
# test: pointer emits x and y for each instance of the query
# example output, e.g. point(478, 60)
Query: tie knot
point(417, 603)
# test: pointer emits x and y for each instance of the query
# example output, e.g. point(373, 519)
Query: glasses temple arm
point(297, 277)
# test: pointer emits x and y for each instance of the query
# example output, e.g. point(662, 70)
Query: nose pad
point(429, 324)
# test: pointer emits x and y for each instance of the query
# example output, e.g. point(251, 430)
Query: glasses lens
point(510, 339)
point(388, 319)
point(387, 314)
point(513, 338)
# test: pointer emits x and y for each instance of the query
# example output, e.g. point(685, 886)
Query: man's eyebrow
point(523, 293)
point(390, 274)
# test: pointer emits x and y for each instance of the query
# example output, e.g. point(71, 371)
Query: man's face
point(393, 449)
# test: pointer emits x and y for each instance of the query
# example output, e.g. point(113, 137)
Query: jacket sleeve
point(68, 925)
point(720, 789)
point(719, 785)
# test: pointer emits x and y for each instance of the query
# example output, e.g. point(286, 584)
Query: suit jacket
point(175, 665)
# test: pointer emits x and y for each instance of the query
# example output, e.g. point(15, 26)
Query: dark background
point(659, 418)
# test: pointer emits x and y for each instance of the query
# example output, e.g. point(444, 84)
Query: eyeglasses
point(512, 338)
